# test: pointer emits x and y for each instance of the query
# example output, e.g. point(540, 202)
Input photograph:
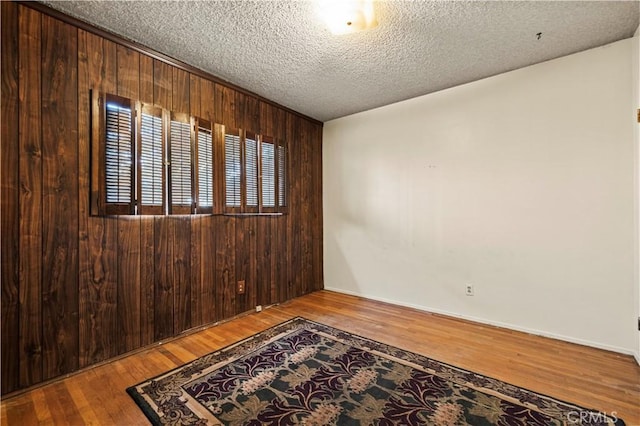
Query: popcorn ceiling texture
point(282, 51)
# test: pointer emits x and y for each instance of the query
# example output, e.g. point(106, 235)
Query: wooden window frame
point(99, 203)
point(156, 112)
point(196, 125)
point(172, 207)
point(267, 209)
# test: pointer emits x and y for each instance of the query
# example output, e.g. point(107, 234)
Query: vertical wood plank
point(195, 268)
point(208, 276)
point(128, 64)
point(196, 291)
point(146, 79)
point(9, 200)
point(316, 197)
point(163, 298)
point(147, 280)
point(282, 233)
point(30, 175)
point(307, 215)
point(147, 239)
point(267, 250)
point(85, 83)
point(295, 208)
point(182, 224)
point(181, 274)
point(128, 85)
point(225, 226)
point(179, 90)
point(60, 197)
point(194, 96)
point(98, 236)
point(162, 84)
point(207, 99)
point(128, 284)
point(164, 229)
point(251, 121)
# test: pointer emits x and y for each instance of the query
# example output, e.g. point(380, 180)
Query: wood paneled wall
point(76, 289)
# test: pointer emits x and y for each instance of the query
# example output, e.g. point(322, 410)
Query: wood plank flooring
point(589, 377)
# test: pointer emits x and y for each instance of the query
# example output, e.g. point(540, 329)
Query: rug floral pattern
point(302, 372)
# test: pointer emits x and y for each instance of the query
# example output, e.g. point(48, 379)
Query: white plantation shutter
point(180, 164)
point(232, 170)
point(267, 162)
point(151, 168)
point(251, 169)
point(205, 162)
point(118, 154)
point(282, 176)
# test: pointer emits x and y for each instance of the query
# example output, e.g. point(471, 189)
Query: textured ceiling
point(283, 52)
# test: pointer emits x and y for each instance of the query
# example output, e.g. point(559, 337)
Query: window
point(118, 155)
point(255, 173)
point(232, 169)
point(151, 166)
point(204, 166)
point(149, 161)
point(180, 164)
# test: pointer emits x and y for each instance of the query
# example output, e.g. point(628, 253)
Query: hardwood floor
point(589, 377)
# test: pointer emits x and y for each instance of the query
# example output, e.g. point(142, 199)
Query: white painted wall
point(521, 184)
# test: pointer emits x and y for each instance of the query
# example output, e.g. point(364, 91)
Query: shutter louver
point(232, 170)
point(180, 167)
point(268, 173)
point(251, 170)
point(282, 176)
point(151, 164)
point(205, 169)
point(118, 154)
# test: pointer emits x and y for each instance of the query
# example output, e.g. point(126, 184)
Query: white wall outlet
point(469, 290)
point(259, 308)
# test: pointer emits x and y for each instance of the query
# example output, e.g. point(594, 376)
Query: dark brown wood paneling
point(225, 226)
point(315, 199)
point(128, 63)
point(86, 288)
point(209, 278)
point(282, 233)
point(182, 224)
point(207, 100)
point(60, 197)
point(147, 280)
point(164, 234)
point(294, 227)
point(98, 236)
point(181, 274)
point(30, 175)
point(304, 209)
point(9, 200)
point(129, 314)
point(266, 244)
point(147, 227)
point(146, 79)
point(180, 90)
point(251, 121)
point(162, 84)
point(164, 230)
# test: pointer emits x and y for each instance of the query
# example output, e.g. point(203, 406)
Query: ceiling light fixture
point(347, 16)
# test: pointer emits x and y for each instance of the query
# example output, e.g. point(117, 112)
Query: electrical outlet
point(259, 308)
point(241, 287)
point(469, 290)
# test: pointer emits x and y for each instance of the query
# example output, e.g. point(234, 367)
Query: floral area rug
point(302, 372)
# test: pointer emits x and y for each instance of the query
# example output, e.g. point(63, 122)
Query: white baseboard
point(490, 322)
